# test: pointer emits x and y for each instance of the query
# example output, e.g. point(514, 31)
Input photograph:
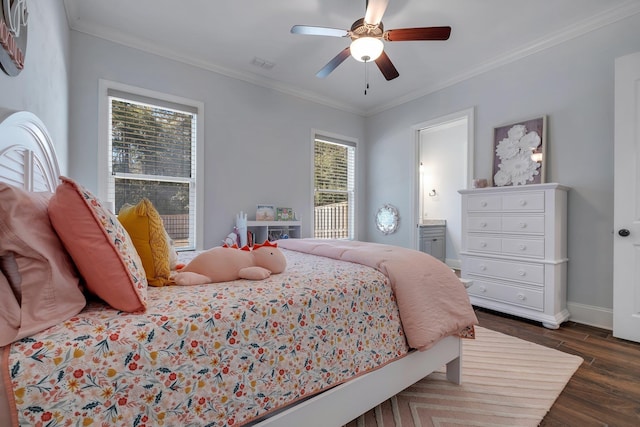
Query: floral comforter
point(211, 355)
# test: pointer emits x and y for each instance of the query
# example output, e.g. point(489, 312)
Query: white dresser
point(514, 250)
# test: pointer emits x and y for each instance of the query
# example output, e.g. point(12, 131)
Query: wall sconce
point(536, 157)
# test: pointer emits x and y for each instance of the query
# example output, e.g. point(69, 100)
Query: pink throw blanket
point(432, 301)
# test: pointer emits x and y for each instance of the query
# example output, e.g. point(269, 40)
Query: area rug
point(506, 381)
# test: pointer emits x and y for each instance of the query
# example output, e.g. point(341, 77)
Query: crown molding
point(108, 34)
point(610, 16)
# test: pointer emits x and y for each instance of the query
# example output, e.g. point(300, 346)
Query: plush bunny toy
point(224, 263)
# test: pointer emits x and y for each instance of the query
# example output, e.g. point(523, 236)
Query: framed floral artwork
point(519, 151)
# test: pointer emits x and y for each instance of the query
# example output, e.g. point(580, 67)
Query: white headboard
point(27, 156)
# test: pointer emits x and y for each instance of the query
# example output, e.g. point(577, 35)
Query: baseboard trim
point(599, 317)
point(456, 264)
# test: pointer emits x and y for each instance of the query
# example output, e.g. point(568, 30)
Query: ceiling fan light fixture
point(366, 49)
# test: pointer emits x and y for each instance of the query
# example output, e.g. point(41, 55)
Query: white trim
point(349, 140)
point(77, 24)
point(600, 317)
point(469, 115)
point(454, 263)
point(103, 142)
point(593, 23)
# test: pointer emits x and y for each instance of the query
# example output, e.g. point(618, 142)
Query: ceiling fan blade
point(375, 10)
point(386, 67)
point(318, 31)
point(333, 64)
point(424, 33)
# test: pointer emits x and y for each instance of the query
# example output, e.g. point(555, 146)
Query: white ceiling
point(226, 36)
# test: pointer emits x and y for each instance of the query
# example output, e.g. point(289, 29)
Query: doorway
point(444, 153)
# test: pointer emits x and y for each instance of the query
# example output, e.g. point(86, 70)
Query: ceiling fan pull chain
point(366, 76)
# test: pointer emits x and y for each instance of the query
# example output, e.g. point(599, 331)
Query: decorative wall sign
point(519, 150)
point(13, 35)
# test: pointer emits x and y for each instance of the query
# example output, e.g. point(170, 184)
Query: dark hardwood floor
point(604, 391)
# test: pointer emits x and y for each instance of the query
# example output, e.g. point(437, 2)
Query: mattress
point(218, 354)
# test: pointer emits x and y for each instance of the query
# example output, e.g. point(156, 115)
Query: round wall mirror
point(387, 219)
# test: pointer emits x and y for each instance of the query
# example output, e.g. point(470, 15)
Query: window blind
point(334, 185)
point(152, 147)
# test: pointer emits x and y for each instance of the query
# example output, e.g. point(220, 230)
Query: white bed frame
point(28, 160)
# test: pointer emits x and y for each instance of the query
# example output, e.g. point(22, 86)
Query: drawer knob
point(523, 225)
point(521, 273)
point(522, 202)
point(483, 289)
point(483, 267)
point(483, 224)
point(522, 247)
point(483, 204)
point(483, 244)
point(521, 297)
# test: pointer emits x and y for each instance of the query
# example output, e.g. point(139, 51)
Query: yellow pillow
point(145, 227)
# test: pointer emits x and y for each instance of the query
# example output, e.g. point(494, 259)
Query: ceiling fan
point(367, 35)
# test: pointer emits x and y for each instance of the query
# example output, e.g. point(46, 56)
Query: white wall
point(43, 85)
point(257, 140)
point(443, 150)
point(573, 84)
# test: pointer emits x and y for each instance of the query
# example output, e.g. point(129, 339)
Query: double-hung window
point(334, 188)
point(152, 154)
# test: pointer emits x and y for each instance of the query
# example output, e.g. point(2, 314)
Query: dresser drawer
point(530, 201)
point(481, 203)
point(509, 270)
point(530, 298)
point(484, 223)
point(523, 224)
point(484, 244)
point(523, 247)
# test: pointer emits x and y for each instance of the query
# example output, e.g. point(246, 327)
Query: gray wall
point(257, 140)
point(573, 84)
point(43, 85)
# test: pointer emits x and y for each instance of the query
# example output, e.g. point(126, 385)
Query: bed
point(319, 344)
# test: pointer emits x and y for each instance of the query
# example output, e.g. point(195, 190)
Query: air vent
point(262, 63)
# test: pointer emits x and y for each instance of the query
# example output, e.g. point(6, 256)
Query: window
point(334, 188)
point(152, 154)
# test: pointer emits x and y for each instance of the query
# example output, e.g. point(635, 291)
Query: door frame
point(469, 114)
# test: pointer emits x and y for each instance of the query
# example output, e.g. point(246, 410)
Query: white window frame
point(344, 140)
point(104, 156)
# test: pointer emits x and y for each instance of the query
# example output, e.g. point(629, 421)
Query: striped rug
point(506, 381)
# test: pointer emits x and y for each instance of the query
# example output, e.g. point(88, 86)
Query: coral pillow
point(100, 247)
point(144, 225)
point(39, 286)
